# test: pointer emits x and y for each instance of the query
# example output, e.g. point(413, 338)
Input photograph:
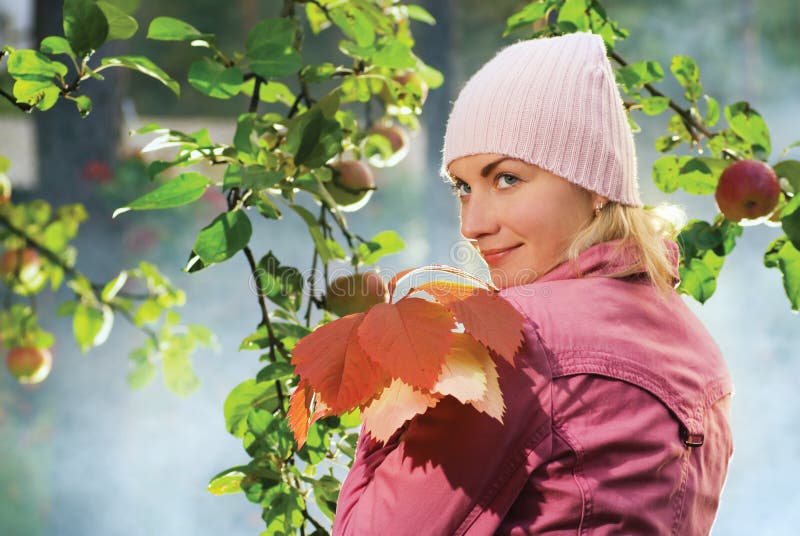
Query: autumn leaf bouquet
point(397, 359)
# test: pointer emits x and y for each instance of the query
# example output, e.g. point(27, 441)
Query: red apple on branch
point(747, 190)
point(352, 184)
point(354, 293)
point(29, 364)
point(5, 189)
point(23, 263)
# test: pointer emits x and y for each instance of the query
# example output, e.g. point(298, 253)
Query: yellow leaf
point(492, 404)
point(462, 374)
point(397, 403)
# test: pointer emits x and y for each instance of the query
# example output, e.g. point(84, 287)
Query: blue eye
point(455, 187)
point(512, 178)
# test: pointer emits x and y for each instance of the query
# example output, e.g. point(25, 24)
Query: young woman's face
point(525, 212)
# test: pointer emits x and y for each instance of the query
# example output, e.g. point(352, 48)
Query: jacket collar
point(603, 258)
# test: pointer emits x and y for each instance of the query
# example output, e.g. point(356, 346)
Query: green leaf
point(211, 78)
point(85, 26)
point(728, 141)
point(789, 170)
point(91, 325)
point(112, 288)
point(144, 371)
point(316, 18)
point(120, 24)
point(245, 397)
point(230, 481)
point(43, 95)
point(696, 238)
point(281, 284)
point(84, 105)
point(144, 66)
point(275, 371)
point(394, 54)
point(56, 45)
point(665, 173)
point(655, 105)
point(313, 139)
point(783, 255)
point(326, 493)
point(32, 65)
point(636, 75)
point(529, 14)
point(687, 72)
point(699, 277)
point(712, 111)
point(420, 14)
point(316, 233)
point(172, 29)
point(696, 175)
point(700, 175)
point(380, 245)
point(729, 231)
point(790, 220)
point(269, 48)
point(256, 177)
point(148, 313)
point(184, 189)
point(223, 237)
point(667, 143)
point(179, 376)
point(748, 125)
point(266, 207)
point(572, 16)
point(353, 23)
point(272, 92)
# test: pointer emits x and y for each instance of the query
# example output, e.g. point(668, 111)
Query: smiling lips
point(493, 256)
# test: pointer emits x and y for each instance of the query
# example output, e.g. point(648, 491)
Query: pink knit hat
point(552, 102)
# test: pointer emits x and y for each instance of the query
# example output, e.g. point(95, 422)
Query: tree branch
point(21, 105)
point(685, 114)
point(74, 274)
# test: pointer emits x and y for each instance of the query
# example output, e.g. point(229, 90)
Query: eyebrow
point(487, 168)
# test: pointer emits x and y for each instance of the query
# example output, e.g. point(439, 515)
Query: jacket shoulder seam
point(623, 368)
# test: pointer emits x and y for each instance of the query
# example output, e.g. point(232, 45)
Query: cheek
point(536, 222)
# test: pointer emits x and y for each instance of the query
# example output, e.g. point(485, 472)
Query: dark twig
point(256, 95)
point(685, 114)
point(21, 105)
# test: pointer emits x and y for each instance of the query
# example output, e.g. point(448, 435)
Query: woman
point(616, 416)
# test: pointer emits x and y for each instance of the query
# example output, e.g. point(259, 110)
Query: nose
point(478, 217)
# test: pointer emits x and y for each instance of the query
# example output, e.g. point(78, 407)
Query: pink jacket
point(616, 422)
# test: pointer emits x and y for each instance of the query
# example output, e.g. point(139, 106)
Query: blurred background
point(84, 454)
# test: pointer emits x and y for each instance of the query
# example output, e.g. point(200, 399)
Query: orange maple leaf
point(396, 404)
point(299, 413)
point(484, 314)
point(399, 359)
point(410, 339)
point(332, 361)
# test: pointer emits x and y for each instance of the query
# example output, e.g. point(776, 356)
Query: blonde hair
point(641, 227)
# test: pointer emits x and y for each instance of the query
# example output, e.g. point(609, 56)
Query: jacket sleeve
point(453, 468)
